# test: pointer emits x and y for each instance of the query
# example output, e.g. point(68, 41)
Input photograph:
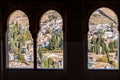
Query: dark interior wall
point(75, 15)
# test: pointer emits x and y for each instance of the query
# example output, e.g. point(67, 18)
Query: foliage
point(50, 62)
point(21, 58)
point(103, 59)
point(17, 37)
point(56, 41)
point(44, 63)
point(111, 46)
point(115, 65)
point(107, 54)
point(40, 53)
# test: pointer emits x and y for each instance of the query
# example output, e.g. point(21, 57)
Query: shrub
point(103, 59)
point(115, 65)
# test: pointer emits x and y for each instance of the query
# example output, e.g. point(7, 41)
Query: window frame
point(7, 54)
point(39, 8)
point(43, 14)
point(90, 7)
point(109, 8)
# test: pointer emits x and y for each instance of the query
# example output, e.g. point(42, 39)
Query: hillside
point(97, 18)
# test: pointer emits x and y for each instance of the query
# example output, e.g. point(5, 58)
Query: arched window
point(103, 40)
point(50, 41)
point(20, 42)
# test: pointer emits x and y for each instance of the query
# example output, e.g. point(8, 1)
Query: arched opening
point(19, 41)
point(103, 40)
point(50, 41)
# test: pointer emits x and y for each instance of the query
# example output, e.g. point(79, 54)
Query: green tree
point(115, 44)
point(93, 41)
point(28, 47)
point(21, 57)
point(20, 44)
point(58, 38)
point(111, 46)
point(50, 61)
point(103, 45)
point(45, 63)
point(53, 43)
point(103, 49)
point(107, 54)
point(40, 53)
point(97, 49)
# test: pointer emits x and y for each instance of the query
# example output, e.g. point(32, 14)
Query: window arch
point(19, 41)
point(103, 40)
point(50, 41)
